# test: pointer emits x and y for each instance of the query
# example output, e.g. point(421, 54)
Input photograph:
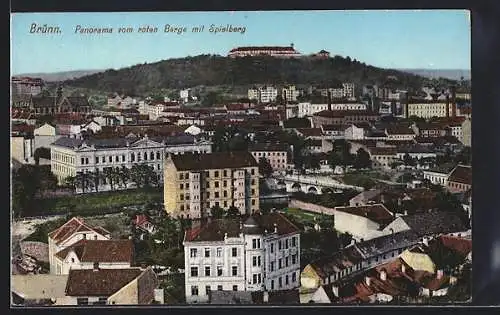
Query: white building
point(121, 102)
point(263, 253)
point(155, 110)
point(290, 93)
point(362, 222)
point(68, 234)
point(89, 254)
point(306, 109)
point(185, 95)
point(70, 156)
point(354, 132)
point(437, 177)
point(263, 94)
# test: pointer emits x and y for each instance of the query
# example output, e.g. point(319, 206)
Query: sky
point(437, 39)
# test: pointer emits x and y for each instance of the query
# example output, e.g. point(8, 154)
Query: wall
point(127, 295)
point(38, 250)
point(359, 227)
point(294, 203)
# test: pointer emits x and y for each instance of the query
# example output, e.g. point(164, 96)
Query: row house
point(259, 253)
point(439, 175)
point(332, 117)
point(263, 94)
point(430, 109)
point(400, 132)
point(383, 157)
point(195, 183)
point(121, 101)
point(460, 179)
point(306, 109)
point(333, 131)
point(416, 152)
point(70, 156)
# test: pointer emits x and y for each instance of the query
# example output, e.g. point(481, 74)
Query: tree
point(43, 153)
point(233, 212)
point(143, 175)
point(216, 212)
point(124, 176)
point(362, 159)
point(408, 160)
point(334, 160)
point(265, 167)
point(110, 176)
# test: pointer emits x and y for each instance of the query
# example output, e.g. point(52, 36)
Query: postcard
point(252, 158)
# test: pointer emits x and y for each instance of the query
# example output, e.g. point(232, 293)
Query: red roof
point(101, 251)
point(76, 224)
point(377, 213)
point(237, 106)
point(458, 244)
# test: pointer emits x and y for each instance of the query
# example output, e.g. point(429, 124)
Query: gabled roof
point(377, 213)
point(102, 282)
point(101, 251)
point(387, 243)
point(328, 265)
point(75, 224)
point(461, 174)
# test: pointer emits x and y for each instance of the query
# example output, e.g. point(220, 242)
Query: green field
point(98, 203)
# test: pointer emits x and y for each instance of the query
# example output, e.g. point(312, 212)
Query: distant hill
point(452, 74)
point(60, 76)
point(212, 70)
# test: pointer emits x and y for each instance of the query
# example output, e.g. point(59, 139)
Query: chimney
point(382, 198)
point(275, 228)
point(266, 297)
point(329, 100)
point(406, 212)
point(335, 290)
point(368, 281)
point(439, 274)
point(383, 275)
point(225, 236)
point(403, 268)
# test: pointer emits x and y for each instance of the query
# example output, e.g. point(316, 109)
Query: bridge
point(313, 184)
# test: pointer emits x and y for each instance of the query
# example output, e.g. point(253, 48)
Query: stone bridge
point(313, 184)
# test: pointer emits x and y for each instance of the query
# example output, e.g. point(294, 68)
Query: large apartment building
point(194, 183)
point(263, 94)
point(259, 253)
point(70, 156)
point(306, 109)
point(429, 109)
point(276, 154)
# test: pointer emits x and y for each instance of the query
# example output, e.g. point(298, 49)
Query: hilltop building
point(273, 51)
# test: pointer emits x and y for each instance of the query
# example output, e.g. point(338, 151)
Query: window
point(254, 261)
point(181, 186)
point(234, 252)
point(96, 160)
point(279, 245)
point(294, 241)
point(194, 271)
point(216, 174)
point(259, 278)
point(287, 260)
point(207, 252)
point(72, 260)
point(224, 183)
point(272, 266)
point(219, 271)
point(294, 259)
point(193, 252)
point(194, 290)
point(132, 158)
point(208, 184)
point(235, 288)
point(234, 270)
point(216, 184)
point(216, 194)
point(254, 243)
point(272, 247)
point(294, 277)
point(219, 288)
point(207, 290)
point(208, 194)
point(258, 261)
point(207, 271)
point(253, 182)
point(207, 174)
point(254, 279)
point(82, 301)
point(219, 252)
point(110, 159)
point(253, 202)
point(181, 176)
point(280, 282)
point(286, 243)
point(224, 174)
point(157, 155)
point(280, 263)
point(252, 171)
point(82, 161)
point(272, 284)
point(182, 196)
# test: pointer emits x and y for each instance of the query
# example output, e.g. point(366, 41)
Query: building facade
point(70, 156)
point(195, 183)
point(263, 94)
point(430, 109)
point(275, 154)
point(290, 93)
point(273, 51)
point(261, 253)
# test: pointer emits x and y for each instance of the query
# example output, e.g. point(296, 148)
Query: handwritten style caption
point(146, 29)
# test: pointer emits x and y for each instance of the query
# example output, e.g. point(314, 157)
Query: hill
point(212, 70)
point(60, 76)
point(452, 74)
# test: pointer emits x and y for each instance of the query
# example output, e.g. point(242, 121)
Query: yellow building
point(195, 183)
point(430, 109)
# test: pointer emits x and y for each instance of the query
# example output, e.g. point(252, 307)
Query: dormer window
point(72, 260)
point(84, 236)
